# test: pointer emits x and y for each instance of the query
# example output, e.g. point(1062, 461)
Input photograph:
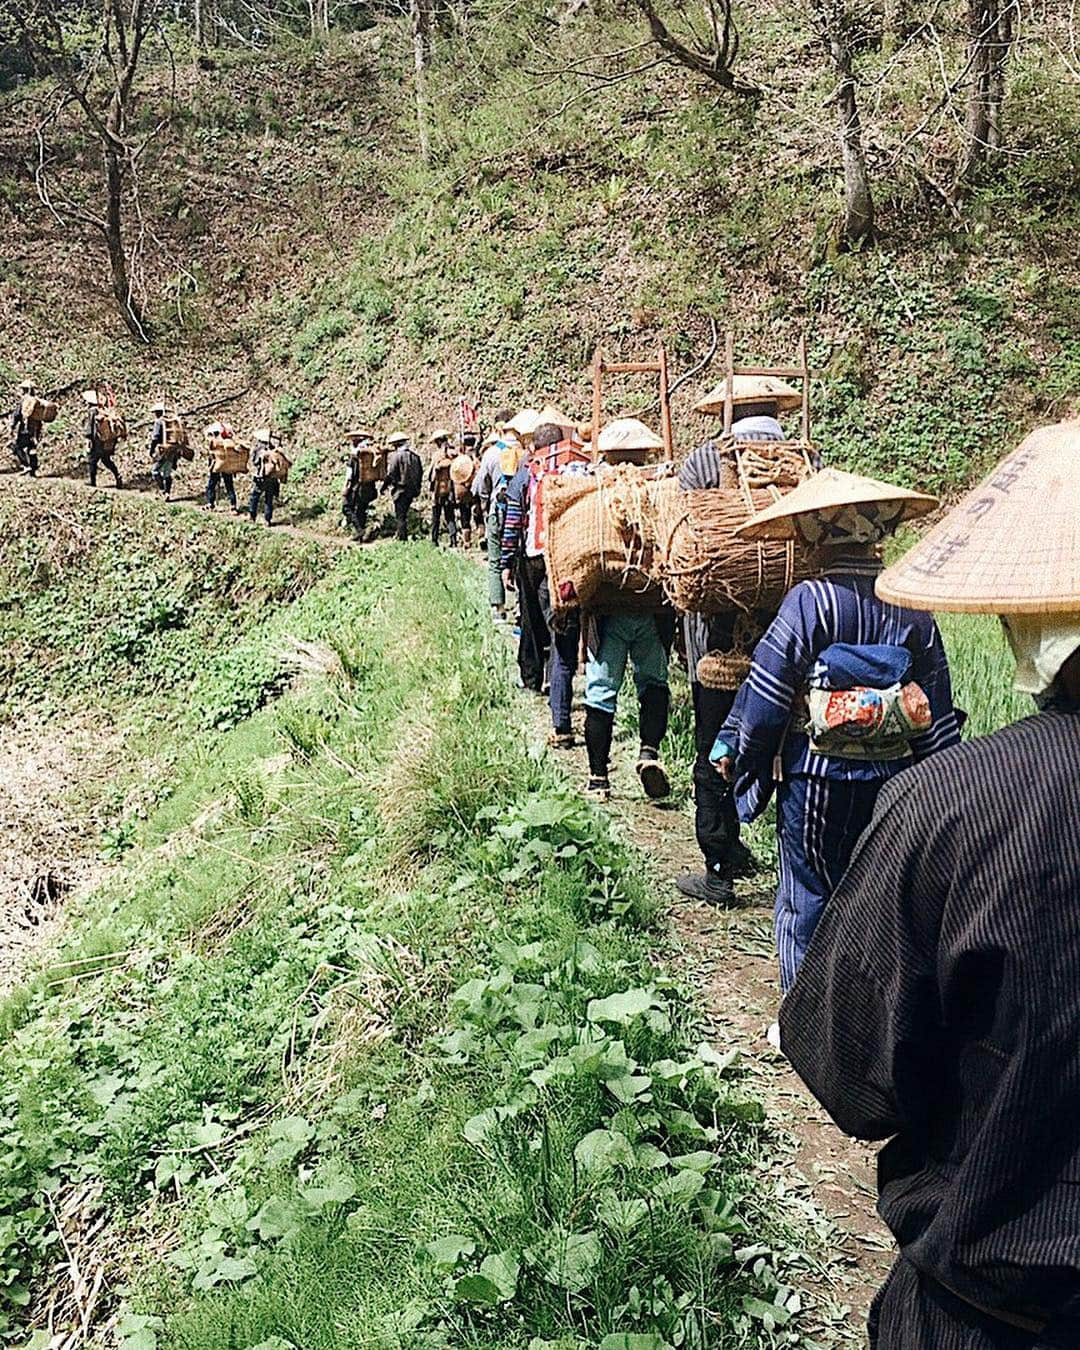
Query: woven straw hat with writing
point(828, 491)
point(751, 389)
point(1011, 546)
point(627, 433)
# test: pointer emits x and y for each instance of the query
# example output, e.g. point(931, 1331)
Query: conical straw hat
point(90, 395)
point(525, 422)
point(751, 389)
point(440, 434)
point(627, 433)
point(556, 418)
point(359, 434)
point(397, 438)
point(1011, 546)
point(827, 491)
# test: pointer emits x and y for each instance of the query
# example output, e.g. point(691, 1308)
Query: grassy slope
point(331, 1038)
point(338, 277)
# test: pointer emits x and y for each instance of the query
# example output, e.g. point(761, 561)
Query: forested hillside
point(286, 236)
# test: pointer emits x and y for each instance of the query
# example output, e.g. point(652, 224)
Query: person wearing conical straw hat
point(442, 487)
point(26, 429)
point(264, 483)
point(498, 464)
point(404, 479)
point(361, 480)
point(939, 1004)
point(844, 692)
point(757, 403)
point(163, 456)
point(103, 426)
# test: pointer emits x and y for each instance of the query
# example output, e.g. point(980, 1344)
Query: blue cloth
point(757, 429)
point(818, 823)
point(838, 607)
point(622, 637)
point(873, 666)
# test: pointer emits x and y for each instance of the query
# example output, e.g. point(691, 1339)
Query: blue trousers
point(818, 822)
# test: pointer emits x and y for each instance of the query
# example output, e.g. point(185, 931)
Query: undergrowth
point(366, 1037)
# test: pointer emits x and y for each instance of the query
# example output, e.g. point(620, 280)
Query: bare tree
point(835, 29)
point(421, 16)
point(990, 38)
point(100, 83)
point(712, 54)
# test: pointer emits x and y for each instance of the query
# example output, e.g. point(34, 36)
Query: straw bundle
point(276, 464)
point(600, 540)
point(705, 567)
point(35, 409)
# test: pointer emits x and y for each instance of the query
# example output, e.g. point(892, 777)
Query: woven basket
point(276, 464)
point(601, 532)
point(175, 433)
point(705, 568)
point(723, 670)
point(227, 457)
point(35, 409)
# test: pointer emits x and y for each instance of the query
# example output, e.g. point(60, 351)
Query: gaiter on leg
point(653, 706)
point(599, 727)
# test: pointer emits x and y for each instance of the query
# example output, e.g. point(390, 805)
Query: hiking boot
point(707, 887)
point(598, 790)
point(561, 740)
point(653, 775)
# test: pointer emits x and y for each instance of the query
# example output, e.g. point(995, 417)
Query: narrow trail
point(729, 957)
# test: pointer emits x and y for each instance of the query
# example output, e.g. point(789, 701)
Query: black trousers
point(268, 489)
point(402, 505)
point(535, 641)
point(443, 508)
point(358, 504)
point(464, 508)
point(99, 455)
point(26, 453)
point(715, 820)
point(217, 480)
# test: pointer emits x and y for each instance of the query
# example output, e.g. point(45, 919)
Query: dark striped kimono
point(823, 801)
point(939, 1004)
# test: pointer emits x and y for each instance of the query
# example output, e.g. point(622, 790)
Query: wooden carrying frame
point(602, 367)
point(799, 372)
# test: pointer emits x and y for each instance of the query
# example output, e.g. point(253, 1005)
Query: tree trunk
point(200, 31)
point(130, 310)
point(857, 222)
point(420, 11)
point(990, 35)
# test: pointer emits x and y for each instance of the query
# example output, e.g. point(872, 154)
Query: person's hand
point(725, 768)
point(508, 579)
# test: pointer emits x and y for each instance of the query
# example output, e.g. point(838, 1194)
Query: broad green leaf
point(277, 1218)
point(634, 1340)
point(770, 1314)
point(335, 1189)
point(629, 1087)
point(623, 1008)
point(650, 1157)
point(477, 1289)
point(718, 1061)
point(274, 1343)
point(447, 1252)
point(571, 1259)
point(601, 1150)
point(680, 1187)
point(619, 1214)
point(700, 1161)
point(290, 1137)
point(502, 1269)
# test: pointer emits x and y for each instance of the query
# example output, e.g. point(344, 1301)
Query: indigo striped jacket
point(838, 606)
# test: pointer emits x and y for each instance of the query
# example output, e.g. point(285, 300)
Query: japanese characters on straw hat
point(751, 389)
point(833, 507)
point(1011, 546)
point(627, 433)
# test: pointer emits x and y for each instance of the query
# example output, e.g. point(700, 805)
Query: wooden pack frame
point(799, 372)
point(659, 368)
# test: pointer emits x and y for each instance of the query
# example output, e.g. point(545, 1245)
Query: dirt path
point(813, 1169)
